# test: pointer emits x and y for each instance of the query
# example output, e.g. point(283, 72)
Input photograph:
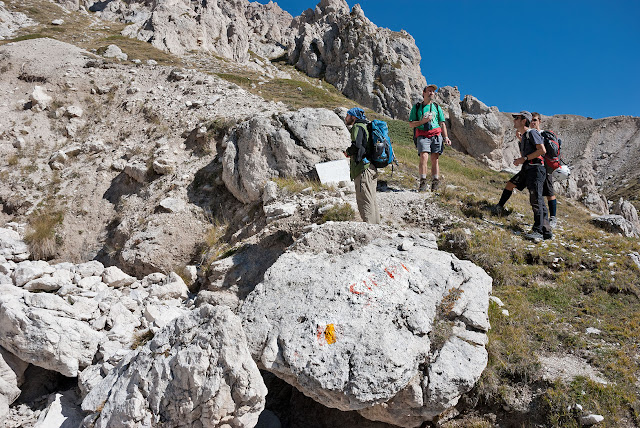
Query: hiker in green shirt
point(430, 132)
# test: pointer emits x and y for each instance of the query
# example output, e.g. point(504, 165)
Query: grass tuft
point(41, 234)
point(339, 212)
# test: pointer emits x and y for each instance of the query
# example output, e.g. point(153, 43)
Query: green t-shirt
point(438, 115)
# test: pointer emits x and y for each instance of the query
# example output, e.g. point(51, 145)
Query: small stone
point(496, 300)
point(406, 245)
point(57, 22)
point(591, 420)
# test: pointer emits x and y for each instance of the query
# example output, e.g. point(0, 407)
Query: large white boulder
point(290, 146)
point(39, 328)
point(195, 372)
point(357, 320)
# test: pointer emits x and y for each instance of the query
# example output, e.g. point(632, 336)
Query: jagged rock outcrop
point(628, 211)
point(40, 329)
point(77, 320)
point(376, 67)
point(289, 146)
point(195, 372)
point(482, 131)
point(617, 224)
point(394, 329)
point(227, 28)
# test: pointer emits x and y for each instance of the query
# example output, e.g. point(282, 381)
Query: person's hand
point(518, 161)
point(519, 135)
point(447, 140)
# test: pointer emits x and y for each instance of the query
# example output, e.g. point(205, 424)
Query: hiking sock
point(435, 177)
point(506, 194)
point(423, 176)
point(552, 207)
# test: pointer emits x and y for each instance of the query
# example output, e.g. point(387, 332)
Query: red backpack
point(552, 145)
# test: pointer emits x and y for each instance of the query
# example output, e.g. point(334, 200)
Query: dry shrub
point(41, 235)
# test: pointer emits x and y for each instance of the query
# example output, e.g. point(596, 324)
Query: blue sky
point(554, 57)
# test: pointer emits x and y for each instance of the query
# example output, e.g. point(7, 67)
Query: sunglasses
point(518, 117)
point(535, 120)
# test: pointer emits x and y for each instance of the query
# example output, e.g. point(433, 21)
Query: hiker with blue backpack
point(362, 171)
point(429, 134)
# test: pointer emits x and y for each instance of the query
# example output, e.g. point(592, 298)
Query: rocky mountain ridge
point(143, 160)
point(374, 66)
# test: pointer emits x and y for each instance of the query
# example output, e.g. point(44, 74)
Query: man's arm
point(445, 133)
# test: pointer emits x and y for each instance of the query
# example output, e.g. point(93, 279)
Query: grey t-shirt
point(529, 140)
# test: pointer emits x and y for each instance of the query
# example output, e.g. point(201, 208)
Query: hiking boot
point(497, 210)
point(533, 236)
point(546, 236)
point(435, 183)
point(423, 185)
point(553, 221)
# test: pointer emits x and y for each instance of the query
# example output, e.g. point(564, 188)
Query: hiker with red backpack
point(362, 171)
point(551, 162)
point(532, 150)
point(429, 134)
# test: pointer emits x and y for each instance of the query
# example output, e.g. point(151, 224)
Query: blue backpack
point(380, 150)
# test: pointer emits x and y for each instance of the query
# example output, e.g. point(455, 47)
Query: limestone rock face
point(262, 148)
point(482, 131)
point(228, 28)
point(394, 331)
point(376, 67)
point(197, 371)
point(40, 329)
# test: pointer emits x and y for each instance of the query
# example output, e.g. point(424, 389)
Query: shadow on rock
point(121, 185)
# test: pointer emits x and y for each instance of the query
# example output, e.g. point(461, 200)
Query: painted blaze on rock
point(349, 325)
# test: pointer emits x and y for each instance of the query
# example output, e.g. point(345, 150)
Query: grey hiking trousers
point(366, 184)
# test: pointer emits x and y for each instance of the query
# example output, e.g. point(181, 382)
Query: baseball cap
point(525, 114)
point(430, 86)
